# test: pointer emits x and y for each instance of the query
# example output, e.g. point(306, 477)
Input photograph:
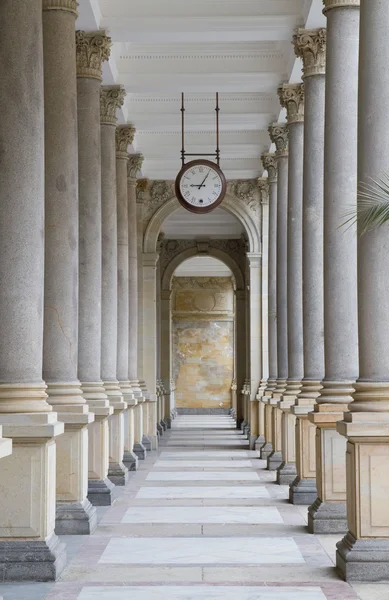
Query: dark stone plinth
point(274, 460)
point(286, 473)
point(100, 492)
point(302, 491)
point(146, 441)
point(28, 560)
point(140, 451)
point(118, 473)
point(75, 518)
point(327, 517)
point(363, 560)
point(130, 460)
point(266, 450)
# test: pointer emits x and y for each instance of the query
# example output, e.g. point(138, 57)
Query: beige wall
point(203, 341)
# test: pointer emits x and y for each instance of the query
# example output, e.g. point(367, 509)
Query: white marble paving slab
point(212, 442)
point(203, 514)
point(209, 464)
point(206, 454)
point(201, 592)
point(202, 551)
point(202, 492)
point(202, 476)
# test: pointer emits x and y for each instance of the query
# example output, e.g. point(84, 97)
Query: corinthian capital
point(135, 165)
point(124, 137)
point(111, 98)
point(66, 5)
point(292, 98)
point(279, 135)
point(329, 4)
point(310, 46)
point(93, 48)
point(269, 161)
point(263, 186)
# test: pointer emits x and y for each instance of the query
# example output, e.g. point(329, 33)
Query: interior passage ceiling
point(219, 224)
point(240, 48)
point(202, 266)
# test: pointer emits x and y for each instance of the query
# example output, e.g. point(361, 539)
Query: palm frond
point(373, 205)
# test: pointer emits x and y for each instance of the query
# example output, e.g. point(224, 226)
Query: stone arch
point(213, 252)
point(231, 204)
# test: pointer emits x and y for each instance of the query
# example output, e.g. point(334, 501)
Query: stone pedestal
point(267, 448)
point(130, 459)
point(100, 487)
point(139, 449)
point(274, 459)
point(286, 472)
point(117, 472)
point(303, 489)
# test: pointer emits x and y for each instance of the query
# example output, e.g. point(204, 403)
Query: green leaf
point(372, 207)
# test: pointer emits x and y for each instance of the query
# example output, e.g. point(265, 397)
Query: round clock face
point(200, 186)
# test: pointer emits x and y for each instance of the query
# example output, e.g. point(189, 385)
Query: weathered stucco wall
point(203, 341)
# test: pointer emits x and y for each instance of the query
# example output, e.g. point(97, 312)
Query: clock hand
point(202, 184)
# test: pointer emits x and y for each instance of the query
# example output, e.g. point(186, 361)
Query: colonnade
point(72, 400)
point(328, 289)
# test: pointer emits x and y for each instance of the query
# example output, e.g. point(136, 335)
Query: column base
point(252, 442)
point(160, 429)
point(243, 424)
point(302, 491)
point(286, 473)
point(168, 421)
point(246, 431)
point(32, 560)
point(259, 443)
point(327, 517)
point(79, 518)
point(266, 450)
point(363, 560)
point(164, 424)
point(118, 473)
point(140, 451)
point(147, 443)
point(130, 460)
point(274, 461)
point(100, 492)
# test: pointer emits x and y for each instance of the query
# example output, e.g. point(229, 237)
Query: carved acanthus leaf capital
point(111, 98)
point(263, 186)
point(279, 135)
point(329, 4)
point(310, 46)
point(292, 98)
point(65, 5)
point(134, 165)
point(92, 49)
point(124, 137)
point(269, 161)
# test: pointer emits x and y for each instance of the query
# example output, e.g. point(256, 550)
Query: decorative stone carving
point(292, 98)
point(328, 4)
point(134, 165)
point(269, 161)
point(124, 137)
point(92, 49)
point(111, 98)
point(141, 187)
point(246, 191)
point(171, 248)
point(310, 46)
point(196, 283)
point(263, 186)
point(159, 193)
point(279, 135)
point(67, 5)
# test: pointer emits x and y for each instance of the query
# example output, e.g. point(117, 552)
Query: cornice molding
point(291, 97)
point(92, 49)
point(111, 98)
point(269, 161)
point(124, 137)
point(330, 4)
point(64, 5)
point(207, 57)
point(135, 163)
point(310, 45)
point(279, 135)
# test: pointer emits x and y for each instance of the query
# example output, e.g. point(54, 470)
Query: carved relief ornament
point(66, 5)
point(279, 135)
point(111, 98)
point(134, 165)
point(124, 137)
point(263, 186)
point(269, 161)
point(92, 49)
point(292, 98)
point(246, 191)
point(310, 46)
point(141, 187)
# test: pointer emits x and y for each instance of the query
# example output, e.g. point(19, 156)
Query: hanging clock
point(201, 184)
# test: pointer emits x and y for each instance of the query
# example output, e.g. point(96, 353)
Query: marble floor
point(201, 519)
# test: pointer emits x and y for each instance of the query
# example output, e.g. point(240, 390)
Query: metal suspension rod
point(217, 130)
point(183, 128)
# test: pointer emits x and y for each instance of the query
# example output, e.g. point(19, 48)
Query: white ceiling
point(202, 266)
point(218, 224)
point(240, 48)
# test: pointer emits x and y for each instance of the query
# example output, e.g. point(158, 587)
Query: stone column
point(27, 505)
point(363, 553)
point(240, 327)
point(75, 514)
point(292, 98)
point(92, 49)
point(255, 348)
point(130, 457)
point(111, 98)
point(166, 351)
point(279, 136)
point(328, 514)
point(269, 162)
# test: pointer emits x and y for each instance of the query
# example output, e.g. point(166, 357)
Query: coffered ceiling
point(240, 48)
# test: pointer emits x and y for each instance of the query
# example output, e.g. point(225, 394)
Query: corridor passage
point(201, 518)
